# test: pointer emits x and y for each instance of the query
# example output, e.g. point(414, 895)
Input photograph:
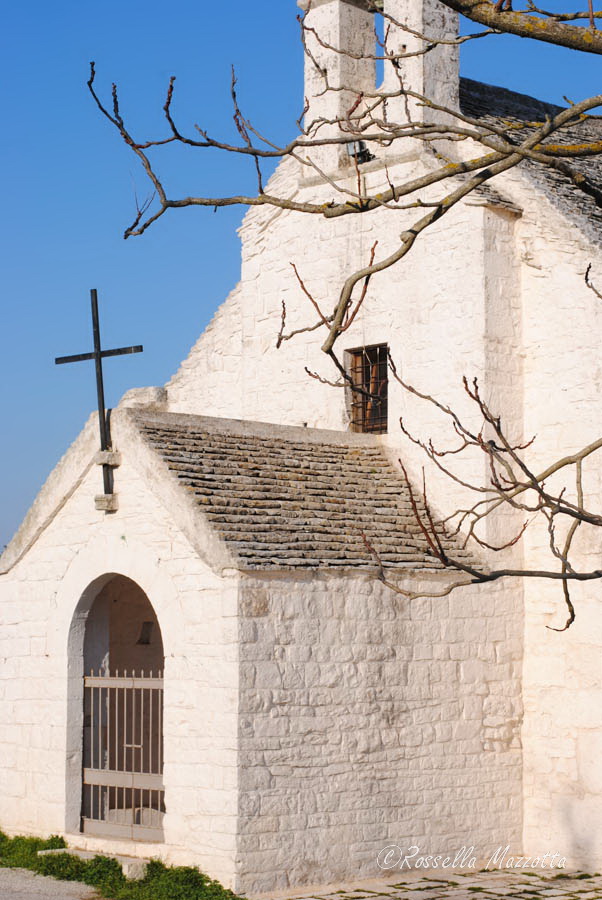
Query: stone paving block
point(487, 885)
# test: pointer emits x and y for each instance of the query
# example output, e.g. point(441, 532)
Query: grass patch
point(21, 852)
point(161, 882)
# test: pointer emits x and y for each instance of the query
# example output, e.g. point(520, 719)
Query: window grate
point(368, 395)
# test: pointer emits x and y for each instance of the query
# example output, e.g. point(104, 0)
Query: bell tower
point(340, 66)
point(339, 49)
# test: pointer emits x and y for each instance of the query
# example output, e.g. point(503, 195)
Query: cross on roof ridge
point(98, 354)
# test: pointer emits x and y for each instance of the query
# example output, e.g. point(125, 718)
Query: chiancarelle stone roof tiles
point(286, 497)
point(502, 107)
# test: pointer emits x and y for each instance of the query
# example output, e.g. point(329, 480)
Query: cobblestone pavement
point(486, 885)
point(20, 884)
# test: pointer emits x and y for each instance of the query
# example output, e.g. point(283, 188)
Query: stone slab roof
point(500, 106)
point(291, 497)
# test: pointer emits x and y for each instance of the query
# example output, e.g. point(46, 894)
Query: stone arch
point(115, 634)
point(96, 573)
point(122, 633)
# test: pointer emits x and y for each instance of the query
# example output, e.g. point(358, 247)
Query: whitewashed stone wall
point(40, 730)
point(363, 719)
point(562, 322)
point(215, 360)
point(367, 720)
point(431, 315)
point(495, 292)
point(308, 721)
point(351, 28)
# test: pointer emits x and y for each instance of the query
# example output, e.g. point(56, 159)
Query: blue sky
point(69, 181)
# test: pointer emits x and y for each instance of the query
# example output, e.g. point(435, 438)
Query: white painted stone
point(311, 719)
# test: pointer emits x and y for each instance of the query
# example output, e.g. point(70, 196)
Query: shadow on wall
point(579, 827)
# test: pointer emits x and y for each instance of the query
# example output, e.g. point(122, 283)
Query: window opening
point(368, 370)
point(146, 633)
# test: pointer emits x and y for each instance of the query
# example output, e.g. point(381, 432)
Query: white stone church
point(203, 666)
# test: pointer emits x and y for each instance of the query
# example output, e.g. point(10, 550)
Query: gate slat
point(113, 778)
point(118, 681)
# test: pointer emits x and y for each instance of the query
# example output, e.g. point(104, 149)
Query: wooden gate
point(123, 793)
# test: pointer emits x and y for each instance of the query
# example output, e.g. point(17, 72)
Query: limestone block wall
point(350, 28)
point(562, 671)
point(211, 377)
point(441, 320)
point(40, 707)
point(434, 74)
point(432, 316)
point(508, 304)
point(368, 720)
point(428, 314)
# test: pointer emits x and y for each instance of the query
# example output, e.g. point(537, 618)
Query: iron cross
point(98, 355)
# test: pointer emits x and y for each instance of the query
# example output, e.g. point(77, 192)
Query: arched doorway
point(122, 788)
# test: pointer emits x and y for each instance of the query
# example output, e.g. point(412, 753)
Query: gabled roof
point(502, 107)
point(291, 497)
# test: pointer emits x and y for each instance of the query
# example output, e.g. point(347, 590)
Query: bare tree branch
point(525, 25)
point(459, 154)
